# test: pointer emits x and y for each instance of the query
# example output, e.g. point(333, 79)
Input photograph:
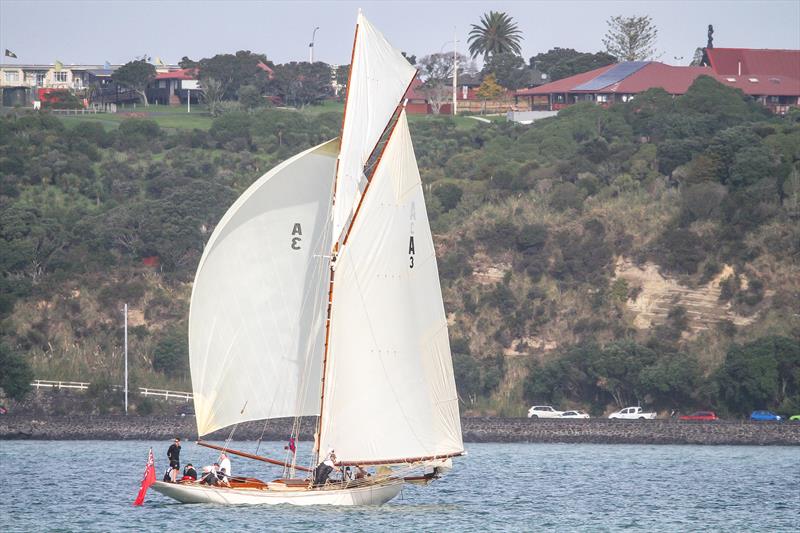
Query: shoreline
point(474, 429)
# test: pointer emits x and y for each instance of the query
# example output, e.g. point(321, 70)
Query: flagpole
point(126, 359)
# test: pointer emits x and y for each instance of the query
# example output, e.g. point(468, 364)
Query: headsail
point(256, 325)
point(379, 77)
point(390, 392)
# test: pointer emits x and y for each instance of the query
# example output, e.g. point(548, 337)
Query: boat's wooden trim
point(252, 456)
point(399, 461)
point(318, 439)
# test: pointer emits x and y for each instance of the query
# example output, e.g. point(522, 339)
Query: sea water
point(87, 486)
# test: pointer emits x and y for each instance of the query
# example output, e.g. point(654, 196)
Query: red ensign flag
point(148, 479)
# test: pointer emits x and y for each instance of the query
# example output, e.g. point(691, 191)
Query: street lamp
point(311, 46)
point(455, 70)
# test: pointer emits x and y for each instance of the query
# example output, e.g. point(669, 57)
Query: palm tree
point(496, 34)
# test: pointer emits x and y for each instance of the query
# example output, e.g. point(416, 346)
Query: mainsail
point(379, 77)
point(256, 324)
point(389, 389)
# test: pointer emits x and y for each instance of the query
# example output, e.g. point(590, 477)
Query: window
point(60, 76)
point(40, 76)
point(11, 76)
point(602, 98)
point(753, 80)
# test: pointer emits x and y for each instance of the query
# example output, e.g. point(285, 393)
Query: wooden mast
point(318, 434)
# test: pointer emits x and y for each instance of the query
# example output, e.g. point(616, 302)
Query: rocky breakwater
point(598, 431)
point(604, 431)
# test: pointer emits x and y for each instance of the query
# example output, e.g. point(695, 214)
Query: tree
point(436, 70)
point(489, 90)
point(559, 63)
point(631, 38)
point(509, 70)
point(213, 91)
point(496, 34)
point(231, 71)
point(16, 375)
point(300, 84)
point(135, 75)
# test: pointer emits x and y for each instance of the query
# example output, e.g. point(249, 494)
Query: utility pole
point(311, 46)
point(126, 359)
point(455, 72)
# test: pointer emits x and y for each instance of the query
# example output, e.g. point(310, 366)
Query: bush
point(15, 374)
point(171, 354)
point(449, 195)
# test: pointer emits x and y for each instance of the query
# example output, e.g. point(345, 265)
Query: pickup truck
point(632, 413)
point(543, 411)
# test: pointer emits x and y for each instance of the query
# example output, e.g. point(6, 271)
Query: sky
point(117, 31)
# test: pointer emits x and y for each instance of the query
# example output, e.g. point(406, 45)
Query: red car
point(700, 415)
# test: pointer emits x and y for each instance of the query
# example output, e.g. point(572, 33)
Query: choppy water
point(90, 485)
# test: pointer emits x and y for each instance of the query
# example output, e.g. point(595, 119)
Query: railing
point(166, 394)
point(81, 385)
point(44, 383)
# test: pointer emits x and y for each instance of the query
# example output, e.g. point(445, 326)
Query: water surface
point(87, 486)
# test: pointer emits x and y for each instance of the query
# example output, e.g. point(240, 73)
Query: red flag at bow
point(148, 479)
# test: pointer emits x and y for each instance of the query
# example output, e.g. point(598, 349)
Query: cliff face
point(655, 295)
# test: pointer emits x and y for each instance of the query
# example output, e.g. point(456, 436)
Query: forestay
point(389, 389)
point(379, 78)
point(256, 324)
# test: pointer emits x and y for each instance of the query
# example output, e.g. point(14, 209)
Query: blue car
point(764, 416)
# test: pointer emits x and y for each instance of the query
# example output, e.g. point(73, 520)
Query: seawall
point(598, 431)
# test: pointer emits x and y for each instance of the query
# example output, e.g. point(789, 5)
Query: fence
point(144, 391)
point(44, 383)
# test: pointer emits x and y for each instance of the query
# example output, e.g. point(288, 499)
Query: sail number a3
point(297, 236)
point(412, 219)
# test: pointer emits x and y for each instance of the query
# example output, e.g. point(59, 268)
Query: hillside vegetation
point(646, 252)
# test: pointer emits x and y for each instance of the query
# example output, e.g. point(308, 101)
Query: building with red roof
point(167, 88)
point(770, 76)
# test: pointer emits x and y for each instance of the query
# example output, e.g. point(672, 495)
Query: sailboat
point(318, 295)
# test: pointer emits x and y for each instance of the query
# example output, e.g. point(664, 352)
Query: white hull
point(377, 494)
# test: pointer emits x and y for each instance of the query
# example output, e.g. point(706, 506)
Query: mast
point(318, 433)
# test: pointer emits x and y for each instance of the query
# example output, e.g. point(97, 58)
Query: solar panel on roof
point(613, 75)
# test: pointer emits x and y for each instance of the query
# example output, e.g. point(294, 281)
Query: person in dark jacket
point(189, 473)
point(174, 455)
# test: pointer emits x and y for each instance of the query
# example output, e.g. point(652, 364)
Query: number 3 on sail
point(283, 331)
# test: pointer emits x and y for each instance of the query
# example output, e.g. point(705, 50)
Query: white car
point(632, 413)
point(574, 414)
point(543, 411)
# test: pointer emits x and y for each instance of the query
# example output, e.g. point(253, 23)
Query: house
point(167, 88)
point(770, 76)
point(467, 100)
point(24, 84)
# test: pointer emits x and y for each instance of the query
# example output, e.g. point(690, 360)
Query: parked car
point(574, 414)
point(632, 413)
point(701, 415)
point(543, 411)
point(795, 418)
point(764, 416)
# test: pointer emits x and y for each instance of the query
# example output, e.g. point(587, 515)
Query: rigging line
point(261, 437)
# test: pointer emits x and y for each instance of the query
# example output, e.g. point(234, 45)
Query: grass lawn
point(176, 117)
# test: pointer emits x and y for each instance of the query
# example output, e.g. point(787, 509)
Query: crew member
point(189, 473)
point(325, 468)
point(174, 454)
